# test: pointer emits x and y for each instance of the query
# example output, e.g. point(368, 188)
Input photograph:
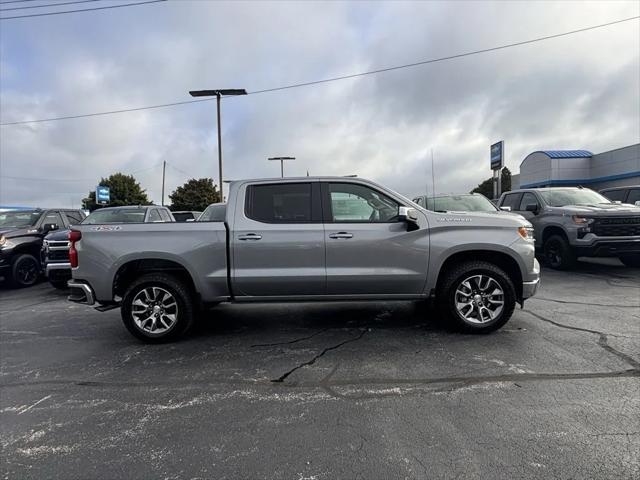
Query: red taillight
point(74, 236)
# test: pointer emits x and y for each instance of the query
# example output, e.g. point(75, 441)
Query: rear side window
point(154, 216)
point(634, 196)
point(511, 200)
point(615, 195)
point(527, 199)
point(164, 215)
point(281, 203)
point(74, 217)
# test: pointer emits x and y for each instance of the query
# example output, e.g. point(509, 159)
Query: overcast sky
point(581, 91)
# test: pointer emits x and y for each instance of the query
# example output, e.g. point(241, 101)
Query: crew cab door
point(277, 240)
point(369, 250)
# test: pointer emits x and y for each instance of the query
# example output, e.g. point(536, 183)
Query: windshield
point(19, 218)
point(460, 203)
point(119, 215)
point(563, 197)
point(214, 213)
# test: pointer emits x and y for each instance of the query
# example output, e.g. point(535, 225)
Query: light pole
point(219, 94)
point(282, 159)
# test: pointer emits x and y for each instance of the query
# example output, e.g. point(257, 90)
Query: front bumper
point(530, 287)
point(57, 267)
point(81, 293)
point(608, 248)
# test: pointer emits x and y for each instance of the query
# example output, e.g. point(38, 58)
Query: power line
point(333, 79)
point(19, 1)
point(81, 10)
point(42, 179)
point(45, 6)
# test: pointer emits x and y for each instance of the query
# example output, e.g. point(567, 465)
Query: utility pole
point(164, 166)
point(282, 159)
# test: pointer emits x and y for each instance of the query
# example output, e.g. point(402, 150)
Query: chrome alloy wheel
point(154, 310)
point(479, 299)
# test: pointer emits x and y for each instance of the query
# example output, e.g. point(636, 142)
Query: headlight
point(526, 233)
point(582, 220)
point(3, 241)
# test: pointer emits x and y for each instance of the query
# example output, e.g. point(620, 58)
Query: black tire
point(59, 284)
point(25, 271)
point(455, 277)
point(631, 260)
point(184, 310)
point(558, 254)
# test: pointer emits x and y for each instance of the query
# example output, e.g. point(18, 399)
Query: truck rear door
point(277, 240)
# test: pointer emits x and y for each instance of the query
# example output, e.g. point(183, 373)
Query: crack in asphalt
point(583, 303)
point(283, 377)
point(291, 341)
point(603, 340)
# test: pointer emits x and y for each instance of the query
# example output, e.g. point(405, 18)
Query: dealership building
point(552, 168)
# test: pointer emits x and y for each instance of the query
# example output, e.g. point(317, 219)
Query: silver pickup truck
point(301, 239)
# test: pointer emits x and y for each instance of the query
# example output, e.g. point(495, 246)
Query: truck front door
point(369, 250)
point(277, 240)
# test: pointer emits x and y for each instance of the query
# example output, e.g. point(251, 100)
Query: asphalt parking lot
point(310, 391)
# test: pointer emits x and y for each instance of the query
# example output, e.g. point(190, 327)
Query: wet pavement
point(333, 390)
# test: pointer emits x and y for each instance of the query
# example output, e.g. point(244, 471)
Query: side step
point(106, 308)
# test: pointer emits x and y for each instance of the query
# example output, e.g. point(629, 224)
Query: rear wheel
point(476, 296)
point(157, 308)
point(558, 253)
point(25, 271)
point(631, 260)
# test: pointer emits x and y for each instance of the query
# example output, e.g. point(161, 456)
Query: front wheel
point(558, 253)
point(157, 308)
point(25, 271)
point(631, 260)
point(477, 297)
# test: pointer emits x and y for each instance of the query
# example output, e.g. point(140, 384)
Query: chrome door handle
point(250, 236)
point(341, 235)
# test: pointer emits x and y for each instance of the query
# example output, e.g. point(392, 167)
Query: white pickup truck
point(302, 239)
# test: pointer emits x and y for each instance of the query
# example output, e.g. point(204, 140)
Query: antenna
point(433, 182)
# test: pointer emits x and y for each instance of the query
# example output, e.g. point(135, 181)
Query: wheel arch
point(500, 259)
point(128, 271)
point(553, 230)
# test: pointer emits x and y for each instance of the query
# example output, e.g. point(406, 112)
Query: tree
point(195, 194)
point(123, 190)
point(486, 187)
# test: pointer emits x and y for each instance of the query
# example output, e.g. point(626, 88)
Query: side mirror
point(505, 209)
point(637, 204)
point(407, 214)
point(532, 207)
point(49, 227)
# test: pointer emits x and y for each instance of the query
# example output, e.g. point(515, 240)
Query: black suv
point(629, 195)
point(21, 239)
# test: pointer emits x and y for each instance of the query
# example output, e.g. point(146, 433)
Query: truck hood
point(604, 209)
point(13, 232)
point(58, 235)
point(496, 219)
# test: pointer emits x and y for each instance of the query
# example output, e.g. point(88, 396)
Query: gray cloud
point(581, 91)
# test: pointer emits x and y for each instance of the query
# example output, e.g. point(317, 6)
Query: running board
point(106, 308)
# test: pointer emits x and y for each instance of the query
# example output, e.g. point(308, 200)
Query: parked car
point(21, 239)
point(216, 212)
point(130, 214)
point(328, 238)
point(578, 222)
point(55, 258)
point(186, 216)
point(630, 195)
point(462, 202)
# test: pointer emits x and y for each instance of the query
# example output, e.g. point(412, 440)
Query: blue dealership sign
point(102, 195)
point(497, 155)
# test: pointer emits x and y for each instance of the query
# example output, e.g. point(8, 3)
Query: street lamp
point(282, 159)
point(219, 94)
